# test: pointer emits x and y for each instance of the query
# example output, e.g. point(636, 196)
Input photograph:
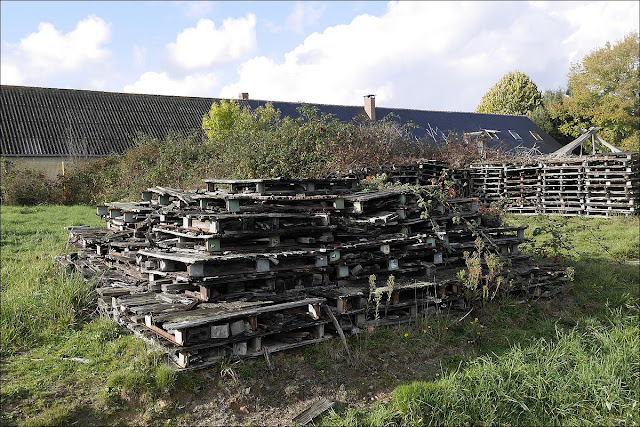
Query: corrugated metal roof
point(64, 122)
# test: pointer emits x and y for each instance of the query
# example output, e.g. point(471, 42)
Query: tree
point(515, 94)
point(540, 116)
point(604, 91)
point(550, 116)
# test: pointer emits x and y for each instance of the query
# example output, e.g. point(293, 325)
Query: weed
point(165, 378)
point(390, 285)
point(558, 243)
point(372, 289)
point(377, 298)
point(569, 361)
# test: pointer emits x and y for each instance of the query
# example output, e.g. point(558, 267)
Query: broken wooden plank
point(267, 358)
point(321, 405)
point(336, 324)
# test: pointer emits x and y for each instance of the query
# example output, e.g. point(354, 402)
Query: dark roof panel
point(58, 122)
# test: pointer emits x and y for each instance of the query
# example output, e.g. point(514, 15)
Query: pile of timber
point(422, 172)
point(598, 185)
point(244, 268)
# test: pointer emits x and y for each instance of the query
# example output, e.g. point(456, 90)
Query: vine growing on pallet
point(476, 285)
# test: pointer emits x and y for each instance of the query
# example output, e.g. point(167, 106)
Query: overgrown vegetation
point(52, 348)
point(21, 186)
point(60, 370)
point(588, 375)
point(260, 142)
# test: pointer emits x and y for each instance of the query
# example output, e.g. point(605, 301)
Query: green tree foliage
point(540, 116)
point(604, 91)
point(552, 117)
point(221, 118)
point(515, 94)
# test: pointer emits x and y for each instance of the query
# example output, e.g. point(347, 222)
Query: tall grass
point(39, 301)
point(45, 322)
point(42, 306)
point(588, 376)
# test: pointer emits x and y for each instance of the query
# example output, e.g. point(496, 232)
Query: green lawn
point(569, 360)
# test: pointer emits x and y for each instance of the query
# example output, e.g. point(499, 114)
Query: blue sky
point(425, 55)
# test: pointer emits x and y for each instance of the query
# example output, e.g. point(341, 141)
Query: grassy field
point(569, 360)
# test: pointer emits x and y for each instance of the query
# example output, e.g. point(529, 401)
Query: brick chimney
point(243, 95)
point(370, 106)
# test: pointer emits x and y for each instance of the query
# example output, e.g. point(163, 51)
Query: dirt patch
point(303, 376)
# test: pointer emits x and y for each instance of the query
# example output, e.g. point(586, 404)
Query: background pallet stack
point(612, 184)
point(561, 187)
point(599, 185)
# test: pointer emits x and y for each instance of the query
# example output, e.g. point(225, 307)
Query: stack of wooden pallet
point(598, 185)
point(560, 187)
point(488, 181)
point(244, 267)
point(422, 172)
point(612, 184)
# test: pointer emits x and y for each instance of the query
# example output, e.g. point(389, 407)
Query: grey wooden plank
point(320, 406)
point(208, 318)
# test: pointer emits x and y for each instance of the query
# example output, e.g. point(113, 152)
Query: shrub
point(26, 186)
point(237, 142)
point(177, 161)
point(262, 143)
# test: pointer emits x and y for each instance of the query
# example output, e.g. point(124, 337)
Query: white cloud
point(303, 14)
point(592, 24)
point(197, 9)
point(139, 55)
point(48, 52)
point(11, 75)
point(203, 46)
point(436, 55)
point(162, 84)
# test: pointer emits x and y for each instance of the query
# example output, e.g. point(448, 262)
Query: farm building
point(44, 127)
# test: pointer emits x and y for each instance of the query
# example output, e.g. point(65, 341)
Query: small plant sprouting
point(378, 298)
point(372, 289)
point(570, 274)
point(390, 284)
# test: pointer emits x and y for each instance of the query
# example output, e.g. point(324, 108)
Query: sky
point(428, 55)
